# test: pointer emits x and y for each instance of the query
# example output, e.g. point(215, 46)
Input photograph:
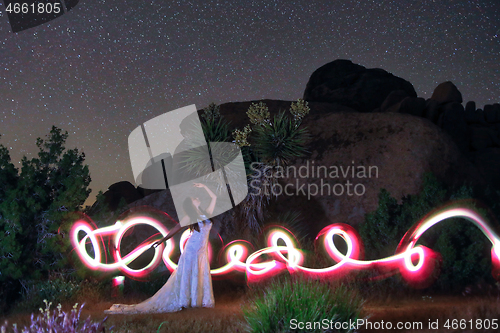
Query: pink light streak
point(415, 263)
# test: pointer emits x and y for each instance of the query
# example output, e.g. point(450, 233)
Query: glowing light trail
point(416, 263)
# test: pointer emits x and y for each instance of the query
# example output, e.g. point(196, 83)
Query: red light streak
point(416, 263)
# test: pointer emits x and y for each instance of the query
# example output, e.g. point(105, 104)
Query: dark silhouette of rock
point(120, 190)
point(473, 116)
point(145, 191)
point(483, 137)
point(395, 97)
point(470, 106)
point(409, 105)
point(446, 92)
point(480, 112)
point(487, 162)
point(492, 113)
point(352, 85)
point(453, 122)
point(432, 110)
point(413, 106)
point(402, 147)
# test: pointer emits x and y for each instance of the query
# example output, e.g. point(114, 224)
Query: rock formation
point(362, 118)
point(352, 85)
point(391, 151)
point(116, 192)
point(475, 132)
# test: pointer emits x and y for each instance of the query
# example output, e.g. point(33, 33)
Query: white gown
point(190, 285)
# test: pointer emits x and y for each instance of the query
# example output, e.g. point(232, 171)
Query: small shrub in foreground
point(58, 321)
point(285, 302)
point(57, 290)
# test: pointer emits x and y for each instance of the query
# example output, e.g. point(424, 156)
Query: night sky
point(107, 66)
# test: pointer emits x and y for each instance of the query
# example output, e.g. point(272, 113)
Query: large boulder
point(394, 98)
point(160, 200)
point(410, 105)
point(483, 137)
point(452, 121)
point(492, 113)
point(432, 110)
point(470, 107)
point(473, 116)
point(352, 85)
point(446, 92)
point(487, 161)
point(400, 148)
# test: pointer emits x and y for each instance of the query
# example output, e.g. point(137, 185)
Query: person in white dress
point(190, 285)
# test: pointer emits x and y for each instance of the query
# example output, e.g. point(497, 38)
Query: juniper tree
point(35, 206)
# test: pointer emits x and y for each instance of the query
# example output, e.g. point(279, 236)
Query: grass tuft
point(286, 301)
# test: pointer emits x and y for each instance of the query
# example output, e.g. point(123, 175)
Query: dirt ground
point(418, 314)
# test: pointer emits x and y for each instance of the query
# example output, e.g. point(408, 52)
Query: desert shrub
point(303, 300)
point(62, 290)
point(58, 321)
point(384, 228)
point(36, 206)
point(463, 247)
point(58, 290)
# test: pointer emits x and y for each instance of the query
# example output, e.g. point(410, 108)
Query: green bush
point(463, 247)
point(56, 290)
point(302, 300)
point(36, 206)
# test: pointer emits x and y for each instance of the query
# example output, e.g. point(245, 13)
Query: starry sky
point(108, 66)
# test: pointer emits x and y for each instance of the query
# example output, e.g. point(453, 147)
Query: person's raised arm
point(211, 207)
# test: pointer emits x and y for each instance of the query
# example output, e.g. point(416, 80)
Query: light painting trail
point(416, 263)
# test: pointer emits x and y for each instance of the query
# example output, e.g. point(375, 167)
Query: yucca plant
point(215, 127)
point(266, 144)
point(278, 142)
